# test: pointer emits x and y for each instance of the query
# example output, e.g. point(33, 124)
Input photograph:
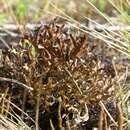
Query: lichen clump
point(63, 68)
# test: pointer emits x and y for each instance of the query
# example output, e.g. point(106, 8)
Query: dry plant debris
point(64, 72)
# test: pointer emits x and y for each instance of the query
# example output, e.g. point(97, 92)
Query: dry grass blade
point(12, 104)
point(15, 81)
point(75, 83)
point(108, 39)
point(109, 115)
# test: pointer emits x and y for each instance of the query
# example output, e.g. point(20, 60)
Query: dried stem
point(100, 124)
point(37, 111)
point(120, 117)
point(59, 114)
point(51, 125)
